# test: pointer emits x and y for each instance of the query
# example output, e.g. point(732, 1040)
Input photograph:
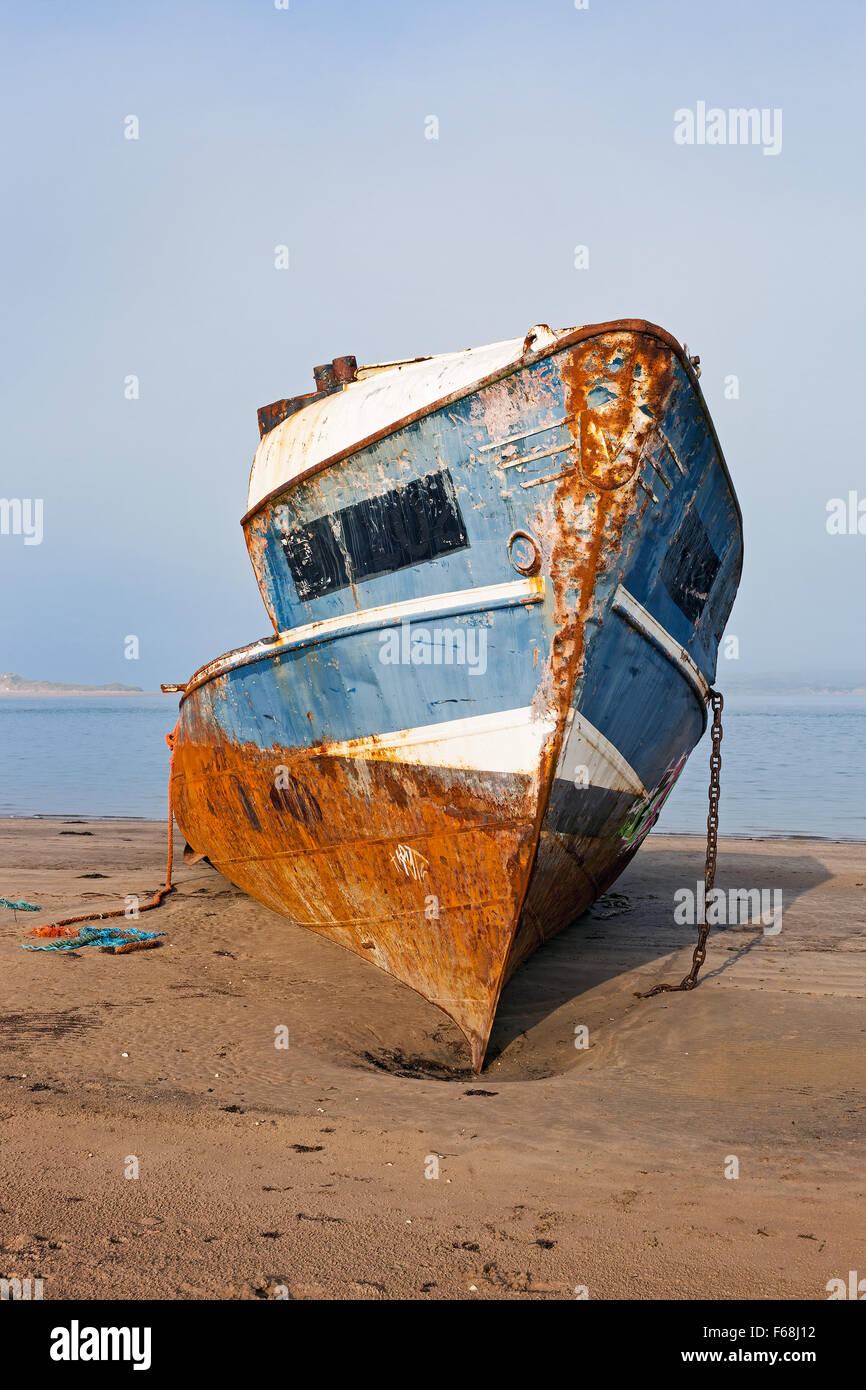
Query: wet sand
point(303, 1168)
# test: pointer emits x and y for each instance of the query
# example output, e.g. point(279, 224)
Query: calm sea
point(791, 765)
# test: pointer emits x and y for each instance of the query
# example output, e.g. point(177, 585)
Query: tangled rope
point(113, 939)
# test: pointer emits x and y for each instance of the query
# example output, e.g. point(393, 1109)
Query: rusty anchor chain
point(700, 951)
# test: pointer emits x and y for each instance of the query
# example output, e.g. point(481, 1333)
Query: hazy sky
point(306, 127)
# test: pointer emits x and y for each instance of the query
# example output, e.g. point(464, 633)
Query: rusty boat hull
point(496, 620)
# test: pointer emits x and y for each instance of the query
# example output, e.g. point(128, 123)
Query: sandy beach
point(262, 1168)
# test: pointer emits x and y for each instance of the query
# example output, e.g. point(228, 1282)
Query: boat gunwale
point(482, 598)
point(568, 340)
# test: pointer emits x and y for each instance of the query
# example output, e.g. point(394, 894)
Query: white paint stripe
point(670, 448)
point(549, 478)
point(527, 434)
point(643, 622)
point(507, 595)
point(658, 468)
point(432, 605)
point(587, 749)
point(539, 454)
point(508, 741)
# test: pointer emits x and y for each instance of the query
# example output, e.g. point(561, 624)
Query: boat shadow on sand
point(587, 974)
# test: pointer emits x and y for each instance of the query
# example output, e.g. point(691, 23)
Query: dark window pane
point(410, 525)
point(690, 567)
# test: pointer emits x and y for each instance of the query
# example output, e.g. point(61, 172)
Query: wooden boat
point(497, 580)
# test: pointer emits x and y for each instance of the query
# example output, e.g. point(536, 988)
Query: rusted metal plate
point(330, 377)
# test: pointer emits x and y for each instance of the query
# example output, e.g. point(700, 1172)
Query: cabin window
point(407, 526)
point(690, 567)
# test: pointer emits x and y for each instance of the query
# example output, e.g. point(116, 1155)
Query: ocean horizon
point(792, 765)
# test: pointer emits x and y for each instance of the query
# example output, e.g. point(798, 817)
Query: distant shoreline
point(770, 837)
point(85, 694)
point(94, 693)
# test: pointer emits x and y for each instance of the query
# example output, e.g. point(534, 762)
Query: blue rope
point(96, 936)
point(19, 907)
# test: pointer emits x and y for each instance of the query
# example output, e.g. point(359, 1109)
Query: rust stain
point(584, 527)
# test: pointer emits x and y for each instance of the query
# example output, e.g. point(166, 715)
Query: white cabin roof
point(370, 405)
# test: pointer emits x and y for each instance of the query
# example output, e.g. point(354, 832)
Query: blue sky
point(306, 127)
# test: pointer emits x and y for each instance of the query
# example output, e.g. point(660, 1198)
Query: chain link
point(700, 951)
